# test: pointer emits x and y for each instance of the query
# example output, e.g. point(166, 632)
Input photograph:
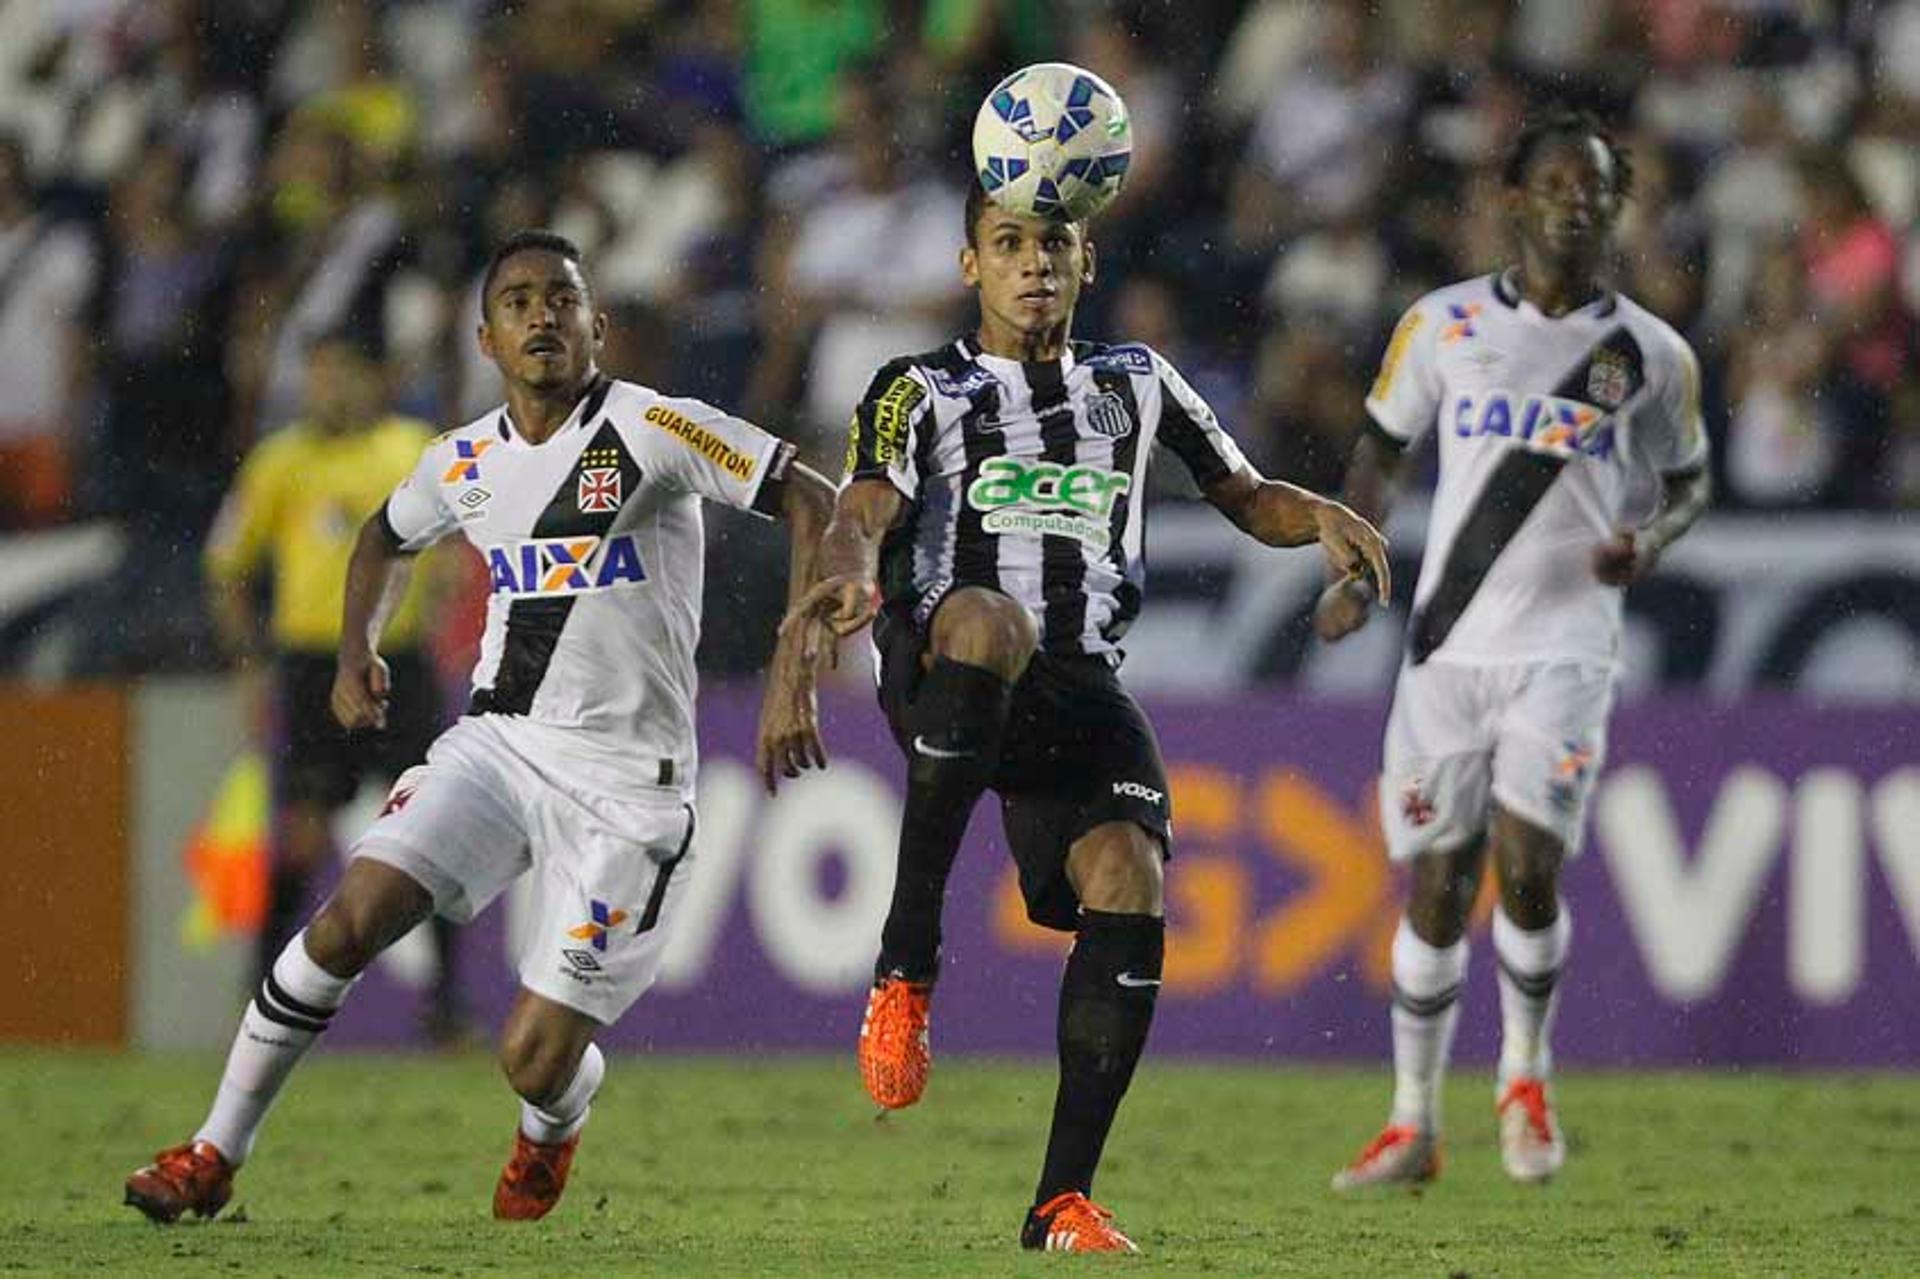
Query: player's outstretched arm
point(1282, 514)
point(789, 739)
point(1347, 602)
point(1630, 555)
point(376, 582)
point(847, 595)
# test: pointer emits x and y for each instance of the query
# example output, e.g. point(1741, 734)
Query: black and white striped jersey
point(1029, 478)
point(593, 545)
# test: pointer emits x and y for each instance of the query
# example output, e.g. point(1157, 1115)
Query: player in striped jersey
point(1558, 403)
point(992, 519)
point(575, 761)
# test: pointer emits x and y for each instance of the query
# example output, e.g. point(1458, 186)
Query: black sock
point(1106, 1005)
point(953, 746)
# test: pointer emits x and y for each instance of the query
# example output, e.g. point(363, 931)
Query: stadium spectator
point(868, 268)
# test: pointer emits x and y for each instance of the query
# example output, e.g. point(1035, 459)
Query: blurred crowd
point(194, 193)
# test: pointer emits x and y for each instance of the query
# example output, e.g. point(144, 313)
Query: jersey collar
point(585, 411)
point(970, 348)
point(1506, 288)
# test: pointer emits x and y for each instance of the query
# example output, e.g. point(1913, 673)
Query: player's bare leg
point(1531, 931)
point(1107, 997)
point(1429, 966)
point(980, 644)
point(550, 1059)
point(374, 906)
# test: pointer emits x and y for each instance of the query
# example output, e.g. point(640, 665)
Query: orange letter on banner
point(1343, 857)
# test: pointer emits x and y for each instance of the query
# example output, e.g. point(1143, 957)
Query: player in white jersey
point(1562, 410)
point(992, 502)
point(575, 760)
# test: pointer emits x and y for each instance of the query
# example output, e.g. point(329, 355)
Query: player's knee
point(1117, 869)
point(1443, 888)
point(371, 909)
point(1529, 860)
point(1530, 890)
point(986, 629)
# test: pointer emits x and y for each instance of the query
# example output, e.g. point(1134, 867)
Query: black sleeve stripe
point(1188, 440)
point(767, 500)
point(1383, 437)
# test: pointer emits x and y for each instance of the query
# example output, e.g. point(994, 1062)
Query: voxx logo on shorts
point(1022, 496)
point(1139, 790)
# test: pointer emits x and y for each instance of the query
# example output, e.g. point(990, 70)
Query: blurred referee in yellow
point(291, 518)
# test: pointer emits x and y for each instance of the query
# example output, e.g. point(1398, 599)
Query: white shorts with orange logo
point(1530, 736)
point(493, 801)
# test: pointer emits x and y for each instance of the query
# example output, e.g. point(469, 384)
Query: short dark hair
point(533, 239)
point(977, 206)
point(1557, 124)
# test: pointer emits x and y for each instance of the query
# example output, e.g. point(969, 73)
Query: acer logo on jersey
point(565, 565)
point(1544, 423)
point(1046, 486)
point(1047, 499)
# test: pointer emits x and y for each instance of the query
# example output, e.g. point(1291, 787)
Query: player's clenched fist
point(361, 683)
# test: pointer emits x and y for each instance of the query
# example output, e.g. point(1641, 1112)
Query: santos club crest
point(599, 490)
point(1108, 415)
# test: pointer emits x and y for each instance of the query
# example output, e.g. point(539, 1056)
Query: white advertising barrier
point(1828, 606)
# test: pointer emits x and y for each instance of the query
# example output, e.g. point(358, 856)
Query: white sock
point(567, 1115)
point(1426, 1008)
point(295, 1002)
point(1530, 964)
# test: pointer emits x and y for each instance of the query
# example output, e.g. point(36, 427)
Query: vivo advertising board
point(1749, 893)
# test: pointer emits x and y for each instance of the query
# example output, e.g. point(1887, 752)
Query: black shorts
point(321, 762)
point(1078, 752)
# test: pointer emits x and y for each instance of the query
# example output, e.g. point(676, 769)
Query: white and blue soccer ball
point(1052, 140)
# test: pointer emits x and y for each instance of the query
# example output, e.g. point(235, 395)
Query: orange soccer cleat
point(895, 1055)
point(532, 1182)
point(1072, 1223)
point(191, 1176)
point(1401, 1155)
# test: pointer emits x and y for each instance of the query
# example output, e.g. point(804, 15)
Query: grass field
point(379, 1165)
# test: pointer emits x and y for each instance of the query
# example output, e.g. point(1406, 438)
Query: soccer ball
point(1052, 140)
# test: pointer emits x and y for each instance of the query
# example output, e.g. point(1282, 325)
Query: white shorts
point(495, 799)
point(1529, 735)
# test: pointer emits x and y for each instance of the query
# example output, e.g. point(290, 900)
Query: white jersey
point(594, 546)
point(1553, 431)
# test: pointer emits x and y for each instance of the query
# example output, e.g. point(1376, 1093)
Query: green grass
point(379, 1165)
